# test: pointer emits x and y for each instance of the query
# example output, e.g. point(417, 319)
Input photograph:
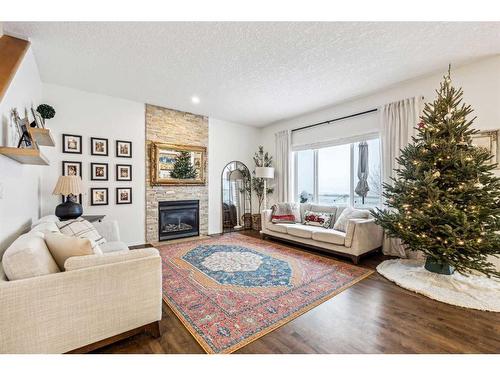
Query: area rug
point(475, 292)
point(230, 290)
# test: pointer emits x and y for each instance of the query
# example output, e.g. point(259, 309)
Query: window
point(304, 161)
point(330, 175)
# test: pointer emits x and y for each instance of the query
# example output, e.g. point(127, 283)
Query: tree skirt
point(475, 292)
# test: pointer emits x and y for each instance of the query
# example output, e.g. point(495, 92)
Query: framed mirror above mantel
point(178, 164)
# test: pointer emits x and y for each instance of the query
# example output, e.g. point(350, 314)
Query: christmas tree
point(183, 168)
point(445, 199)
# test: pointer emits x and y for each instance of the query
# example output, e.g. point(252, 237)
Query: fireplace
point(178, 219)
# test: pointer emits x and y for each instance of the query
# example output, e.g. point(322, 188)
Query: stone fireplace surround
point(175, 127)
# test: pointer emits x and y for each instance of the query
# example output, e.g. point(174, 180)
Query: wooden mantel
point(12, 51)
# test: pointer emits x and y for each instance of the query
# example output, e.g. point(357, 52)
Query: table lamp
point(69, 187)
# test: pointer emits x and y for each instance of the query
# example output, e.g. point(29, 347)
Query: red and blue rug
point(230, 290)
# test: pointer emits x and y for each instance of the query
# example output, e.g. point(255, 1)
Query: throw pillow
point(28, 256)
point(285, 213)
point(81, 228)
point(349, 213)
point(63, 247)
point(318, 219)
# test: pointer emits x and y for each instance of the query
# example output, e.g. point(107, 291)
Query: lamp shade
point(264, 172)
point(67, 185)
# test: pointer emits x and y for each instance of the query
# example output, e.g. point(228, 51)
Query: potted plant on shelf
point(46, 112)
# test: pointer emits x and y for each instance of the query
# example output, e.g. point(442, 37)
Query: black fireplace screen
point(178, 219)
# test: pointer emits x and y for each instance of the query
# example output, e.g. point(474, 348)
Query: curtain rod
point(335, 119)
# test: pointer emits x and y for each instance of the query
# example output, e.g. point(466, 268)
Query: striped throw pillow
point(81, 228)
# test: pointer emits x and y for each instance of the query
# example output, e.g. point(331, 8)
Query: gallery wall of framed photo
point(100, 169)
point(108, 139)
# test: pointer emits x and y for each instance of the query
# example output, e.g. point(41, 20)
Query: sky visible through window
point(334, 174)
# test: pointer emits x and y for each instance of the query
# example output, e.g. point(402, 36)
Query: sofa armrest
point(363, 235)
point(75, 263)
point(265, 217)
point(64, 311)
point(108, 229)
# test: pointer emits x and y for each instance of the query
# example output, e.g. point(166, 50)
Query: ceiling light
point(195, 99)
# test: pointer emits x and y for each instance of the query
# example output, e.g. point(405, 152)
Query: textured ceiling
point(250, 73)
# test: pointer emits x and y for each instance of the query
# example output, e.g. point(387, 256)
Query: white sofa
point(95, 301)
point(361, 237)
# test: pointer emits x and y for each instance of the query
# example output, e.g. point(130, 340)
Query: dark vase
point(69, 210)
point(432, 266)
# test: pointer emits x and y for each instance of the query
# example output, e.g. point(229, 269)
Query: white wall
point(19, 184)
point(226, 142)
point(480, 82)
point(94, 115)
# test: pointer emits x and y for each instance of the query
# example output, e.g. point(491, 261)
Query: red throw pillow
point(283, 219)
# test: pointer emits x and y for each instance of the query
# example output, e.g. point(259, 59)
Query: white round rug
point(475, 292)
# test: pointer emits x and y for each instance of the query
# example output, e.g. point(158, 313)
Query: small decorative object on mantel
point(99, 146)
point(70, 187)
point(46, 111)
point(123, 149)
point(123, 195)
point(72, 144)
point(444, 201)
point(177, 164)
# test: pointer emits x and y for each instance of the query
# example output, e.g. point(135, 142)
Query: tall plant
point(445, 198)
point(261, 159)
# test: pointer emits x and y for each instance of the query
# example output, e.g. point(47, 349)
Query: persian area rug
point(230, 290)
point(475, 292)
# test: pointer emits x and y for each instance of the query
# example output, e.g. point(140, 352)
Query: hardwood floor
point(373, 316)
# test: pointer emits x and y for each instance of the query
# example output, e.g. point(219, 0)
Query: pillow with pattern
point(81, 228)
point(318, 219)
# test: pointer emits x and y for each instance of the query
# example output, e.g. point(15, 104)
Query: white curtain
point(399, 120)
point(283, 174)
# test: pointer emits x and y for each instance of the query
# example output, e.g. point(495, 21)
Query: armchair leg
point(355, 259)
point(153, 329)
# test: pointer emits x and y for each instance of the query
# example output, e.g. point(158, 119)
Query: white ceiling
point(251, 73)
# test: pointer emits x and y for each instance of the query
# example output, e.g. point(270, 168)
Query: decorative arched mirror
point(236, 197)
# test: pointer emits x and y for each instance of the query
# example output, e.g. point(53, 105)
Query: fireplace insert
point(178, 219)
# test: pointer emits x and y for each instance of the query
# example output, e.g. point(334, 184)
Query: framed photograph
point(98, 196)
point(124, 195)
point(123, 149)
point(99, 146)
point(178, 164)
point(487, 139)
point(99, 171)
point(72, 144)
point(37, 118)
point(123, 172)
point(71, 168)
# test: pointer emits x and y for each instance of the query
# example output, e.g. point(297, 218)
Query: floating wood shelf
point(42, 136)
point(24, 155)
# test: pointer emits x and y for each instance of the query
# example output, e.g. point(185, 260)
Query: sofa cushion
point(285, 213)
point(81, 228)
point(112, 246)
point(28, 256)
point(280, 228)
point(45, 219)
point(45, 227)
point(319, 219)
point(349, 213)
point(329, 235)
point(63, 247)
point(300, 230)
